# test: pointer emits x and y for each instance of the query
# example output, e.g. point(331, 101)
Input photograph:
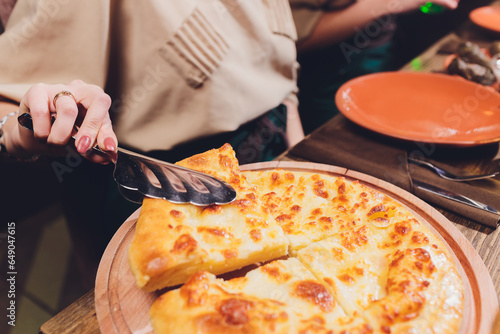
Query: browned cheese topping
point(315, 293)
point(185, 243)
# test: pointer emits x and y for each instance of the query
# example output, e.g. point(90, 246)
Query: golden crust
point(358, 261)
point(206, 304)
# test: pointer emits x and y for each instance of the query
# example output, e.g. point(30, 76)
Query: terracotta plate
point(123, 308)
point(423, 107)
point(487, 17)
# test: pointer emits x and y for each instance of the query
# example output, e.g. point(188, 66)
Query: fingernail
point(109, 144)
point(83, 144)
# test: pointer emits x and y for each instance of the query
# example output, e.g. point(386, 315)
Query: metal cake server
point(138, 176)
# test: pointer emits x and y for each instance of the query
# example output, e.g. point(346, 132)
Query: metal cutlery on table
point(455, 197)
point(138, 176)
point(450, 176)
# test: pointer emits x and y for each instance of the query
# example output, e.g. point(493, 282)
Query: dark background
point(417, 31)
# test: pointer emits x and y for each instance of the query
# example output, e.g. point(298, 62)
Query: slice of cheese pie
point(174, 241)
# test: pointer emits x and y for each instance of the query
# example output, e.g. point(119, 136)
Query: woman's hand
point(86, 103)
point(401, 6)
point(294, 131)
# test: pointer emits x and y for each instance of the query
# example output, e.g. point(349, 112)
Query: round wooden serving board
point(123, 308)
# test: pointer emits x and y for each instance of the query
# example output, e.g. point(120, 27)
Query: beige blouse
point(175, 69)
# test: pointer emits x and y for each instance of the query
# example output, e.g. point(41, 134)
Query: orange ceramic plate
point(423, 107)
point(487, 17)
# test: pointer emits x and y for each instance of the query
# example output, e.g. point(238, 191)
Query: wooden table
point(80, 317)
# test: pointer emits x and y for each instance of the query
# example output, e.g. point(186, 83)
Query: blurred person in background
point(339, 40)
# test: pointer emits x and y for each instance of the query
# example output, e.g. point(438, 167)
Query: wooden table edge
point(79, 317)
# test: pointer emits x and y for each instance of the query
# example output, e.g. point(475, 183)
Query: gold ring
point(62, 93)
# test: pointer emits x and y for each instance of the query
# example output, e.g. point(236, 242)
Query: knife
point(454, 197)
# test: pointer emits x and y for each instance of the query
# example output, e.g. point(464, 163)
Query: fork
point(448, 175)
